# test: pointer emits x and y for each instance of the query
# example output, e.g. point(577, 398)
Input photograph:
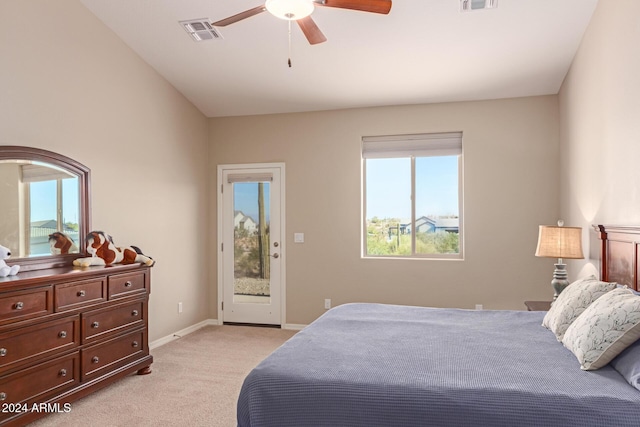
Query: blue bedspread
point(383, 365)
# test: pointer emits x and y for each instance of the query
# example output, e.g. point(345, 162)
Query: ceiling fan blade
point(374, 6)
point(311, 30)
point(240, 16)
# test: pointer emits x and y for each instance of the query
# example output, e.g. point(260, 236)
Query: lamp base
point(560, 280)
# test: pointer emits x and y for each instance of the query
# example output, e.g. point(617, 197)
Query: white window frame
point(413, 146)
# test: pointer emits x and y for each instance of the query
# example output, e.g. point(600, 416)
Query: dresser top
point(66, 273)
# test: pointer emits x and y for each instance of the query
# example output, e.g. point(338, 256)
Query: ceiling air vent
point(201, 29)
point(470, 5)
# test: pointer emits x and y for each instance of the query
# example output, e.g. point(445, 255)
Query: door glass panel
point(251, 208)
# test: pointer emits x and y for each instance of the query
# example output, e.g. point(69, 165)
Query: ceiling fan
point(300, 11)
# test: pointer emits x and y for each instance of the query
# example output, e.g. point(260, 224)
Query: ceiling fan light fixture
point(290, 10)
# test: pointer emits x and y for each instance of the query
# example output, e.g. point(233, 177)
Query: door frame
point(220, 235)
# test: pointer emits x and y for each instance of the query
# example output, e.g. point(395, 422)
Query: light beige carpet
point(195, 382)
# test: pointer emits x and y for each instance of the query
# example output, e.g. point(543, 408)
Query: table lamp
point(559, 242)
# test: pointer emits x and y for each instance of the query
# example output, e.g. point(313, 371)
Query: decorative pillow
point(626, 287)
point(627, 364)
point(572, 302)
point(604, 329)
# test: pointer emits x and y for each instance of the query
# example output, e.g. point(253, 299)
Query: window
point(48, 211)
point(412, 205)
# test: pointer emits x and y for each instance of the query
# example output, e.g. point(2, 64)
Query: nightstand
point(538, 305)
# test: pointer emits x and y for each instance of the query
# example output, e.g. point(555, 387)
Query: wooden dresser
point(68, 331)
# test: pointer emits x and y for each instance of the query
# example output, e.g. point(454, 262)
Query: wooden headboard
point(619, 254)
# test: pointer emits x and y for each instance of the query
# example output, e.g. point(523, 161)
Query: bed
point(386, 365)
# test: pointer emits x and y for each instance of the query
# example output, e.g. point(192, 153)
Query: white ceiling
point(424, 51)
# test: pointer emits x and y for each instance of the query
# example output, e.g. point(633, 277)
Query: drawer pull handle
point(134, 344)
point(3, 395)
point(62, 334)
point(128, 284)
point(95, 359)
point(95, 325)
point(81, 293)
point(3, 352)
point(19, 305)
point(134, 313)
point(62, 373)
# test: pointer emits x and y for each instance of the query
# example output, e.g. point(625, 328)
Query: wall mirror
point(42, 193)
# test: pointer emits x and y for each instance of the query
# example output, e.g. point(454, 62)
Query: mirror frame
point(13, 152)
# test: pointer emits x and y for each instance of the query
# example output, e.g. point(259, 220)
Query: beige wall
point(600, 126)
point(69, 85)
point(79, 90)
point(510, 183)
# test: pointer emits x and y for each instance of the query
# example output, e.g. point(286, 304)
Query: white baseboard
point(162, 341)
point(209, 322)
point(293, 326)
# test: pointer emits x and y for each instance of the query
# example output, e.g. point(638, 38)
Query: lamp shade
point(559, 242)
point(291, 10)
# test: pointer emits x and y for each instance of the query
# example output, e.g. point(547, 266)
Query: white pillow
point(604, 329)
point(572, 302)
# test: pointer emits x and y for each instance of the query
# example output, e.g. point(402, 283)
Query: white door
point(251, 247)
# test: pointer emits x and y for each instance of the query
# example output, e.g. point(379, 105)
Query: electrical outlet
point(478, 306)
point(327, 304)
point(179, 307)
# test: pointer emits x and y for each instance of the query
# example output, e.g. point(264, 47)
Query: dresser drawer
point(36, 384)
point(29, 344)
point(100, 323)
point(27, 304)
point(103, 358)
point(124, 285)
point(76, 294)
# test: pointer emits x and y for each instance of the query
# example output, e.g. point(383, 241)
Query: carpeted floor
point(195, 382)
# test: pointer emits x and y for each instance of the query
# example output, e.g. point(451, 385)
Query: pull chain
point(289, 60)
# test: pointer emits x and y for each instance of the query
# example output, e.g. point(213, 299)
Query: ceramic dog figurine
point(104, 252)
point(5, 270)
point(61, 244)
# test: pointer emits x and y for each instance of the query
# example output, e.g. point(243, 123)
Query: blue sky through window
point(389, 187)
point(245, 199)
point(44, 200)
